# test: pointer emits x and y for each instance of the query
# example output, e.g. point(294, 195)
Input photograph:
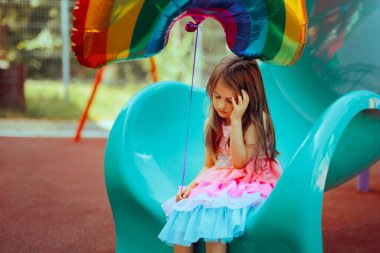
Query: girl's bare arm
point(208, 164)
point(182, 194)
point(242, 148)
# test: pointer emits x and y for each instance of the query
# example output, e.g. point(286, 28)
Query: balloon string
point(188, 121)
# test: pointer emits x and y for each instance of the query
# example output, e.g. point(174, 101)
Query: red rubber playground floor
point(53, 199)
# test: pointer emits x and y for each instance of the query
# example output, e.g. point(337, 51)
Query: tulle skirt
point(212, 211)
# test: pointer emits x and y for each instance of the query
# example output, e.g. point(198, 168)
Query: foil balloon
point(110, 31)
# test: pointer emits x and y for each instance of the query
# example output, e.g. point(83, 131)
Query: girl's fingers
point(234, 103)
point(245, 97)
point(240, 100)
point(185, 194)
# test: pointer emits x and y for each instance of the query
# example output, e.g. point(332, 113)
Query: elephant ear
point(111, 31)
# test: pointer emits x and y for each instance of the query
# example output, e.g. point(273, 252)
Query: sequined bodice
point(224, 155)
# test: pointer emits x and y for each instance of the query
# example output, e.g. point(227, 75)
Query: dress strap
point(226, 130)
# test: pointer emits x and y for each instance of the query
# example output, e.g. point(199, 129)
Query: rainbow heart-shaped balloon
point(106, 31)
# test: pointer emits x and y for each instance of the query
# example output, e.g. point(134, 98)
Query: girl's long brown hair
point(239, 73)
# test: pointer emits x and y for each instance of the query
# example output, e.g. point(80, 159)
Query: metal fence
point(30, 33)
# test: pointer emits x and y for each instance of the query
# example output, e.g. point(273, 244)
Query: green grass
point(45, 99)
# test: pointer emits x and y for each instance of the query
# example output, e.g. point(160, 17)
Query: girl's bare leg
point(183, 249)
point(216, 247)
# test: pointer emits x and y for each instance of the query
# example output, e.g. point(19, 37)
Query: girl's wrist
point(235, 121)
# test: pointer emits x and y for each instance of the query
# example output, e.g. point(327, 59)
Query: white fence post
point(65, 47)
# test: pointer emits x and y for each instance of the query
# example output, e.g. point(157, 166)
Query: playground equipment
point(145, 151)
point(318, 153)
point(326, 133)
point(97, 82)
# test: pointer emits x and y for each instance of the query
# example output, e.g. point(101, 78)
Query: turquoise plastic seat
point(144, 160)
point(145, 153)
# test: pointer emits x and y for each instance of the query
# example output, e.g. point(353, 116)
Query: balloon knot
point(192, 26)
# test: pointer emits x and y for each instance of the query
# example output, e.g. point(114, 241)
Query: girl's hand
point(240, 107)
point(184, 193)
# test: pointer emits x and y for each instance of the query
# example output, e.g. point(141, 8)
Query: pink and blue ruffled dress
point(217, 207)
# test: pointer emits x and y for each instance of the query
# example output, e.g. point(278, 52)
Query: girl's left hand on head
point(240, 107)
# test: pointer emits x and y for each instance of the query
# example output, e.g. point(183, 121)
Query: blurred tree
point(32, 34)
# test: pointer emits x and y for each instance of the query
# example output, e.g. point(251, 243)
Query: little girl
point(240, 168)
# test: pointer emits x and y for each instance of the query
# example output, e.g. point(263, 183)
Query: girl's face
point(222, 100)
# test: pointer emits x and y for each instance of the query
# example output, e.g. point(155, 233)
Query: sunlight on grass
point(46, 99)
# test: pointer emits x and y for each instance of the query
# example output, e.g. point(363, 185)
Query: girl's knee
point(183, 249)
point(216, 247)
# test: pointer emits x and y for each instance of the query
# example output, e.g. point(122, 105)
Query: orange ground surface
point(53, 199)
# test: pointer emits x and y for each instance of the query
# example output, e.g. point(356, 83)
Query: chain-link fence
point(30, 34)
